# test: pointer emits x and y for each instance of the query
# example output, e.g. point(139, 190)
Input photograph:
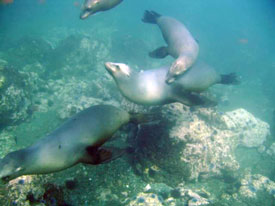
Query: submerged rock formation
point(203, 141)
point(16, 90)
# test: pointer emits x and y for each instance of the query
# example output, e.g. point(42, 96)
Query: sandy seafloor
point(52, 66)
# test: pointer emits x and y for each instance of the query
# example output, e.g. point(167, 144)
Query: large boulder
point(252, 132)
point(16, 90)
point(27, 50)
point(77, 54)
point(197, 144)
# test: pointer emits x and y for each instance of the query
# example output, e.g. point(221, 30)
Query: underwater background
point(52, 66)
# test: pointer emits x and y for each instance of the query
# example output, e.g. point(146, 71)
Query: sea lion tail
point(139, 118)
point(231, 78)
point(150, 17)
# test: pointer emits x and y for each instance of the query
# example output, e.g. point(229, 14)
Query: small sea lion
point(149, 88)
point(78, 140)
point(91, 7)
point(180, 44)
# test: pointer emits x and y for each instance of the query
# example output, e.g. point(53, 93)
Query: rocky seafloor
point(189, 157)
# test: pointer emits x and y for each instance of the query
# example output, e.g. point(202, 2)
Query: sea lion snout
point(170, 79)
point(114, 68)
point(110, 66)
point(5, 179)
point(5, 173)
point(85, 14)
point(89, 8)
point(175, 70)
point(11, 165)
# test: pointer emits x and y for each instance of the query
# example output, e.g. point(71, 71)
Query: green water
point(55, 62)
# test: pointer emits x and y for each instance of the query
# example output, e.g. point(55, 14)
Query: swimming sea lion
point(78, 140)
point(91, 7)
point(201, 76)
point(149, 88)
point(180, 44)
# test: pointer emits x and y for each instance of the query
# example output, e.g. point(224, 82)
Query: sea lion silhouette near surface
point(78, 140)
point(149, 88)
point(180, 44)
point(91, 7)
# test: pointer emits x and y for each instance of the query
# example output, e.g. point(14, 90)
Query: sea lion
point(180, 44)
point(149, 88)
point(78, 140)
point(201, 76)
point(91, 7)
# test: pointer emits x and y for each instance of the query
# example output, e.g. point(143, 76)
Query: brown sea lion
point(148, 87)
point(91, 7)
point(180, 44)
point(78, 140)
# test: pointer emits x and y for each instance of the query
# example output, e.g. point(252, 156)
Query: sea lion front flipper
point(101, 155)
point(159, 53)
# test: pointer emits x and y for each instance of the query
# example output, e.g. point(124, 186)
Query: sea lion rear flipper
point(191, 99)
point(159, 53)
point(150, 17)
point(102, 155)
point(231, 78)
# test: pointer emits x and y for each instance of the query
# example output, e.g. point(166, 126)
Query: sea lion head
point(90, 7)
point(118, 70)
point(178, 67)
point(11, 166)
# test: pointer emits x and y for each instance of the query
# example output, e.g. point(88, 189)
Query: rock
point(26, 190)
point(211, 138)
point(188, 196)
point(196, 199)
point(7, 142)
point(256, 186)
point(27, 50)
point(161, 189)
point(146, 199)
point(271, 151)
point(251, 130)
point(16, 90)
point(209, 149)
point(77, 54)
point(73, 95)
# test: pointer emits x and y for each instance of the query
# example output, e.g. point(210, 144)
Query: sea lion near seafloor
point(149, 88)
point(91, 7)
point(180, 44)
point(78, 140)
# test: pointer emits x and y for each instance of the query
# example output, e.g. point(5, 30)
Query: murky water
point(52, 67)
